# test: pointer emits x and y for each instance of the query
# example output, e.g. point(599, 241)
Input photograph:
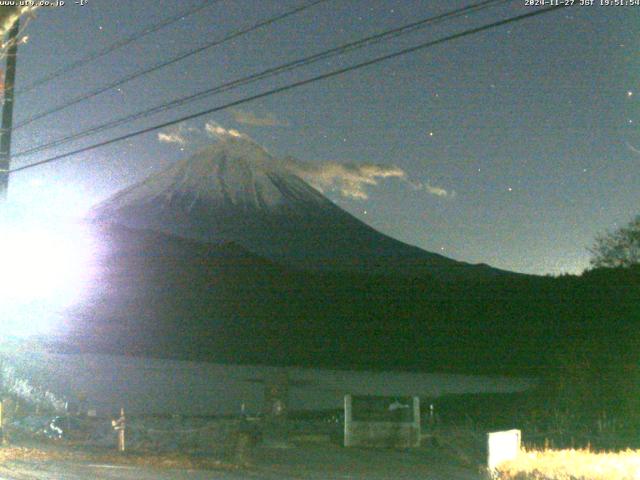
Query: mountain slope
point(236, 192)
point(163, 296)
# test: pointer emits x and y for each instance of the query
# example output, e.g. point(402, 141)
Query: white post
point(119, 426)
point(501, 447)
point(416, 420)
point(347, 420)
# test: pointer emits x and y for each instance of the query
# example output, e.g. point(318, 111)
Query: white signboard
point(502, 446)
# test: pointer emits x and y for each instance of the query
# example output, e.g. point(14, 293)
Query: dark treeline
point(165, 297)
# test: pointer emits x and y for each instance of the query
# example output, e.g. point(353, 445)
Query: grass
point(572, 464)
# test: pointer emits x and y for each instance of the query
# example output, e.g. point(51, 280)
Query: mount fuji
point(230, 257)
point(236, 192)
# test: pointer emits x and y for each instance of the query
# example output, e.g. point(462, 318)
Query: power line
point(367, 41)
point(182, 56)
point(264, 74)
point(115, 46)
point(291, 86)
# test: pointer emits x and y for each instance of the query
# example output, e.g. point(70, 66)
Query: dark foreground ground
point(296, 462)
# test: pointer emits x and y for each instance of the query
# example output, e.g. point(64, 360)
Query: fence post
point(417, 426)
point(7, 412)
point(119, 426)
point(276, 408)
point(4, 439)
point(348, 418)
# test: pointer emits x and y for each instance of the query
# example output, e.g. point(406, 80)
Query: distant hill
point(163, 296)
point(235, 191)
point(229, 257)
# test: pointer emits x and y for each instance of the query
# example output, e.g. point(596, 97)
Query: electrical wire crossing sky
point(500, 133)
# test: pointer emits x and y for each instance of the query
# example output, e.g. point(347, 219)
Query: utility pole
point(7, 110)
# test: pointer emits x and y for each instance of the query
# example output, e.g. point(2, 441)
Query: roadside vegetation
point(572, 465)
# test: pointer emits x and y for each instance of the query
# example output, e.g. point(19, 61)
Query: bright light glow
point(45, 268)
point(572, 464)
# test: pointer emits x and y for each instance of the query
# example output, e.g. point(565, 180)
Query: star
point(431, 134)
point(510, 189)
point(629, 93)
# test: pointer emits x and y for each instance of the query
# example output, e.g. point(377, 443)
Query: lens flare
point(44, 269)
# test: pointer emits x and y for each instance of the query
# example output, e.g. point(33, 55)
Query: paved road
point(71, 471)
point(76, 471)
point(268, 464)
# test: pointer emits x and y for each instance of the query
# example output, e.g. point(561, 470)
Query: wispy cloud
point(180, 135)
point(249, 118)
point(215, 130)
point(632, 148)
point(195, 137)
point(439, 191)
point(351, 180)
point(432, 189)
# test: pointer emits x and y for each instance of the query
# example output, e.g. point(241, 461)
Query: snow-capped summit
point(235, 173)
point(235, 191)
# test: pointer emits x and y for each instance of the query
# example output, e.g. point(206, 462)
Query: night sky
point(513, 147)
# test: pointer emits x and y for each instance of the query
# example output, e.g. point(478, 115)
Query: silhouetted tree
point(620, 248)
